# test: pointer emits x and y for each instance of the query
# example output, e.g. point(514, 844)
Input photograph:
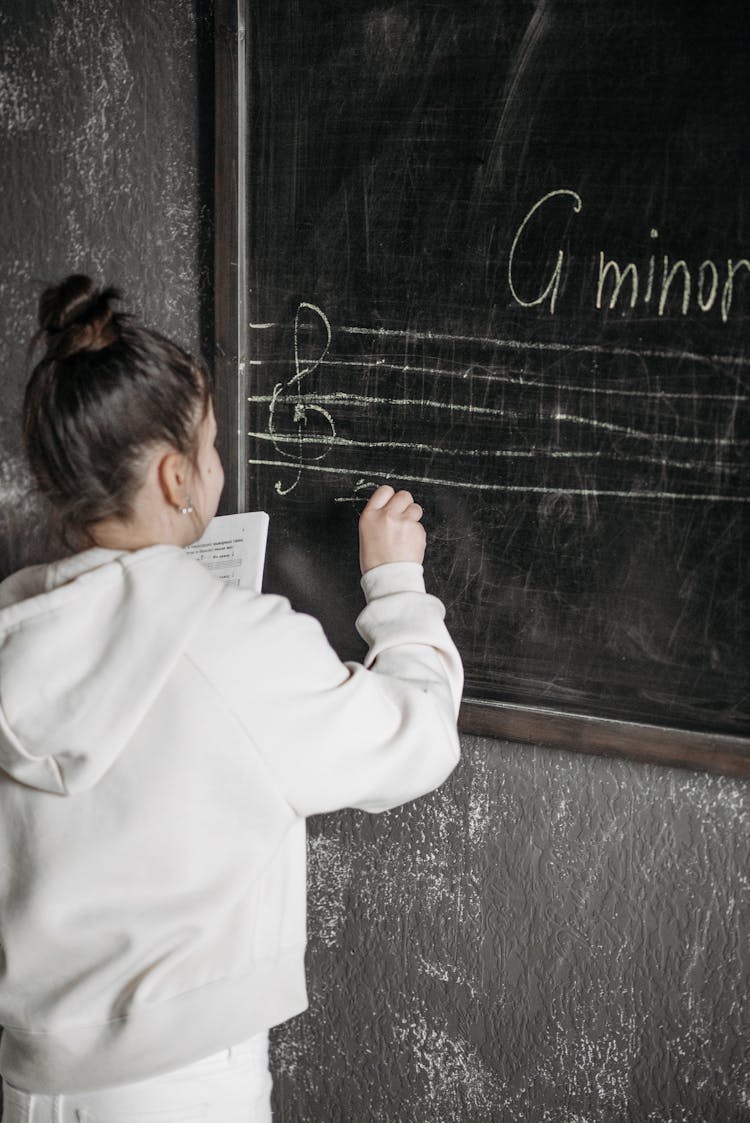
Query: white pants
point(233, 1086)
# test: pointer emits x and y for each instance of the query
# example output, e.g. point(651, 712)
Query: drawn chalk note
point(233, 548)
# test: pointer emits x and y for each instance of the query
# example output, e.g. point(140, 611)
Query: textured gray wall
point(548, 938)
point(100, 135)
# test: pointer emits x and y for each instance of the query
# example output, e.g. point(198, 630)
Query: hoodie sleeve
point(339, 734)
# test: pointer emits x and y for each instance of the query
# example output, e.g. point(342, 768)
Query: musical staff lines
point(496, 415)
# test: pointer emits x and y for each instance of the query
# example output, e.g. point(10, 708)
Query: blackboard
point(499, 253)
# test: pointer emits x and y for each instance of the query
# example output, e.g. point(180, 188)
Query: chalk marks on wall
point(496, 415)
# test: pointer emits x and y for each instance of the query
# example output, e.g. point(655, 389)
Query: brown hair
point(106, 389)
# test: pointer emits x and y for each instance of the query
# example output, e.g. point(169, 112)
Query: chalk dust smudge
point(19, 110)
point(449, 1069)
point(329, 875)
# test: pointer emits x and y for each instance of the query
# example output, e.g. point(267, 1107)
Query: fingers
point(400, 502)
point(397, 502)
point(380, 496)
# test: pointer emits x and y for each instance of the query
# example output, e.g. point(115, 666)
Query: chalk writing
point(533, 453)
point(552, 287)
point(674, 285)
point(535, 489)
point(519, 411)
point(507, 376)
point(644, 435)
point(300, 408)
point(563, 348)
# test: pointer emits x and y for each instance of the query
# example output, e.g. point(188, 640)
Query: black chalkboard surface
point(497, 252)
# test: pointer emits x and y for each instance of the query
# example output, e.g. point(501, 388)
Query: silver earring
point(187, 509)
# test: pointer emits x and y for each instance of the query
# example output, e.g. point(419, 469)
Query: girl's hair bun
point(107, 390)
point(75, 316)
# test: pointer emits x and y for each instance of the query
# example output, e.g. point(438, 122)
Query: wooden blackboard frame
point(701, 750)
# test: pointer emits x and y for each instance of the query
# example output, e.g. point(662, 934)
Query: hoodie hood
point(86, 645)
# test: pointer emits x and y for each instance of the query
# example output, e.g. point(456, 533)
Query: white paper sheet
point(233, 548)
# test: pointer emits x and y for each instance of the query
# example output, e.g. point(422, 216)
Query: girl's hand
point(390, 530)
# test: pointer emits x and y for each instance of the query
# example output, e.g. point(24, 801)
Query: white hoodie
point(162, 738)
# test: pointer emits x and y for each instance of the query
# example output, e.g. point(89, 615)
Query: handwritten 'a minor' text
point(660, 283)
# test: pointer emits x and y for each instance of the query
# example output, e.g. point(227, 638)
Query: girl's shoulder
point(19, 586)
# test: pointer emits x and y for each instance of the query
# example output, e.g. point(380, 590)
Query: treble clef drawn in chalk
point(290, 395)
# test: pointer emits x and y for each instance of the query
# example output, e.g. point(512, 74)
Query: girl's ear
point(172, 474)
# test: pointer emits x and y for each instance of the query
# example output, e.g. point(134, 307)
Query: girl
point(162, 739)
